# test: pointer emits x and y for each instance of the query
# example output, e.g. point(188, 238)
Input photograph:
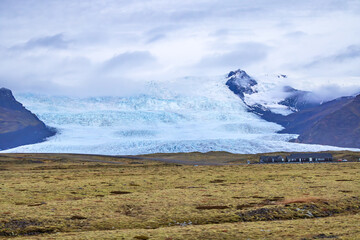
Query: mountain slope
point(272, 96)
point(302, 121)
point(335, 123)
point(18, 126)
point(338, 128)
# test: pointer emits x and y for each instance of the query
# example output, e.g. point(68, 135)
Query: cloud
point(42, 71)
point(189, 15)
point(347, 54)
point(158, 40)
point(333, 91)
point(295, 34)
point(55, 41)
point(342, 64)
point(123, 74)
point(129, 61)
point(350, 52)
point(244, 55)
point(161, 32)
point(75, 75)
point(222, 32)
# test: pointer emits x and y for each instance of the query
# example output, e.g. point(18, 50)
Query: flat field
point(67, 196)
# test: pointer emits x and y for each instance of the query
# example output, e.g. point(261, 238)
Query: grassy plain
point(66, 196)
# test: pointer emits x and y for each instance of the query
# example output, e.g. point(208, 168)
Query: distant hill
point(18, 126)
point(301, 121)
point(339, 127)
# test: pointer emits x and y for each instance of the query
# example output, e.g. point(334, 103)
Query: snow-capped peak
point(241, 83)
point(270, 93)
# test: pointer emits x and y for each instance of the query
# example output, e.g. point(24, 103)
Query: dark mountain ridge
point(18, 126)
point(8, 101)
point(339, 127)
point(301, 121)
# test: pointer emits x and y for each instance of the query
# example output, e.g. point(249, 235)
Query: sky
point(111, 47)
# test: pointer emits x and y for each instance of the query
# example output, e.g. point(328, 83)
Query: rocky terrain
point(241, 83)
point(246, 87)
point(335, 123)
point(18, 126)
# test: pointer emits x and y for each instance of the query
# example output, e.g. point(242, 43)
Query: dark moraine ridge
point(18, 126)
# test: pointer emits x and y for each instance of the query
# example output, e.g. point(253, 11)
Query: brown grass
point(211, 207)
point(48, 193)
point(303, 200)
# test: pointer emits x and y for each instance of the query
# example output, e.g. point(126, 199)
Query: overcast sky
point(111, 46)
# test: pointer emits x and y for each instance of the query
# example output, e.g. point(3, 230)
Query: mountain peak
point(7, 100)
point(18, 126)
point(238, 73)
point(357, 98)
point(5, 91)
point(240, 83)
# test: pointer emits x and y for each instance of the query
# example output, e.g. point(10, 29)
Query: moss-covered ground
point(66, 196)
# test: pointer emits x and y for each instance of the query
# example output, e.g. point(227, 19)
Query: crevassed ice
point(205, 117)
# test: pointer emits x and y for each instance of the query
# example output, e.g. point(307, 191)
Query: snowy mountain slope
point(183, 115)
point(270, 93)
point(300, 112)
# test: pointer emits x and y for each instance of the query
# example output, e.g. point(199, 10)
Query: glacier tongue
point(199, 114)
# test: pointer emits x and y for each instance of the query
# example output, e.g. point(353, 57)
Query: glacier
point(183, 115)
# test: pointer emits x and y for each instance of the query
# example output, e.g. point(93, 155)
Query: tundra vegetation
point(68, 196)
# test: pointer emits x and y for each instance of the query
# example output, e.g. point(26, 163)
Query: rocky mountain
point(301, 121)
point(335, 123)
point(339, 126)
point(256, 96)
point(240, 83)
point(18, 126)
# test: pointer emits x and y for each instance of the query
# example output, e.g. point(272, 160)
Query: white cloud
point(129, 61)
point(244, 55)
point(55, 41)
point(67, 44)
